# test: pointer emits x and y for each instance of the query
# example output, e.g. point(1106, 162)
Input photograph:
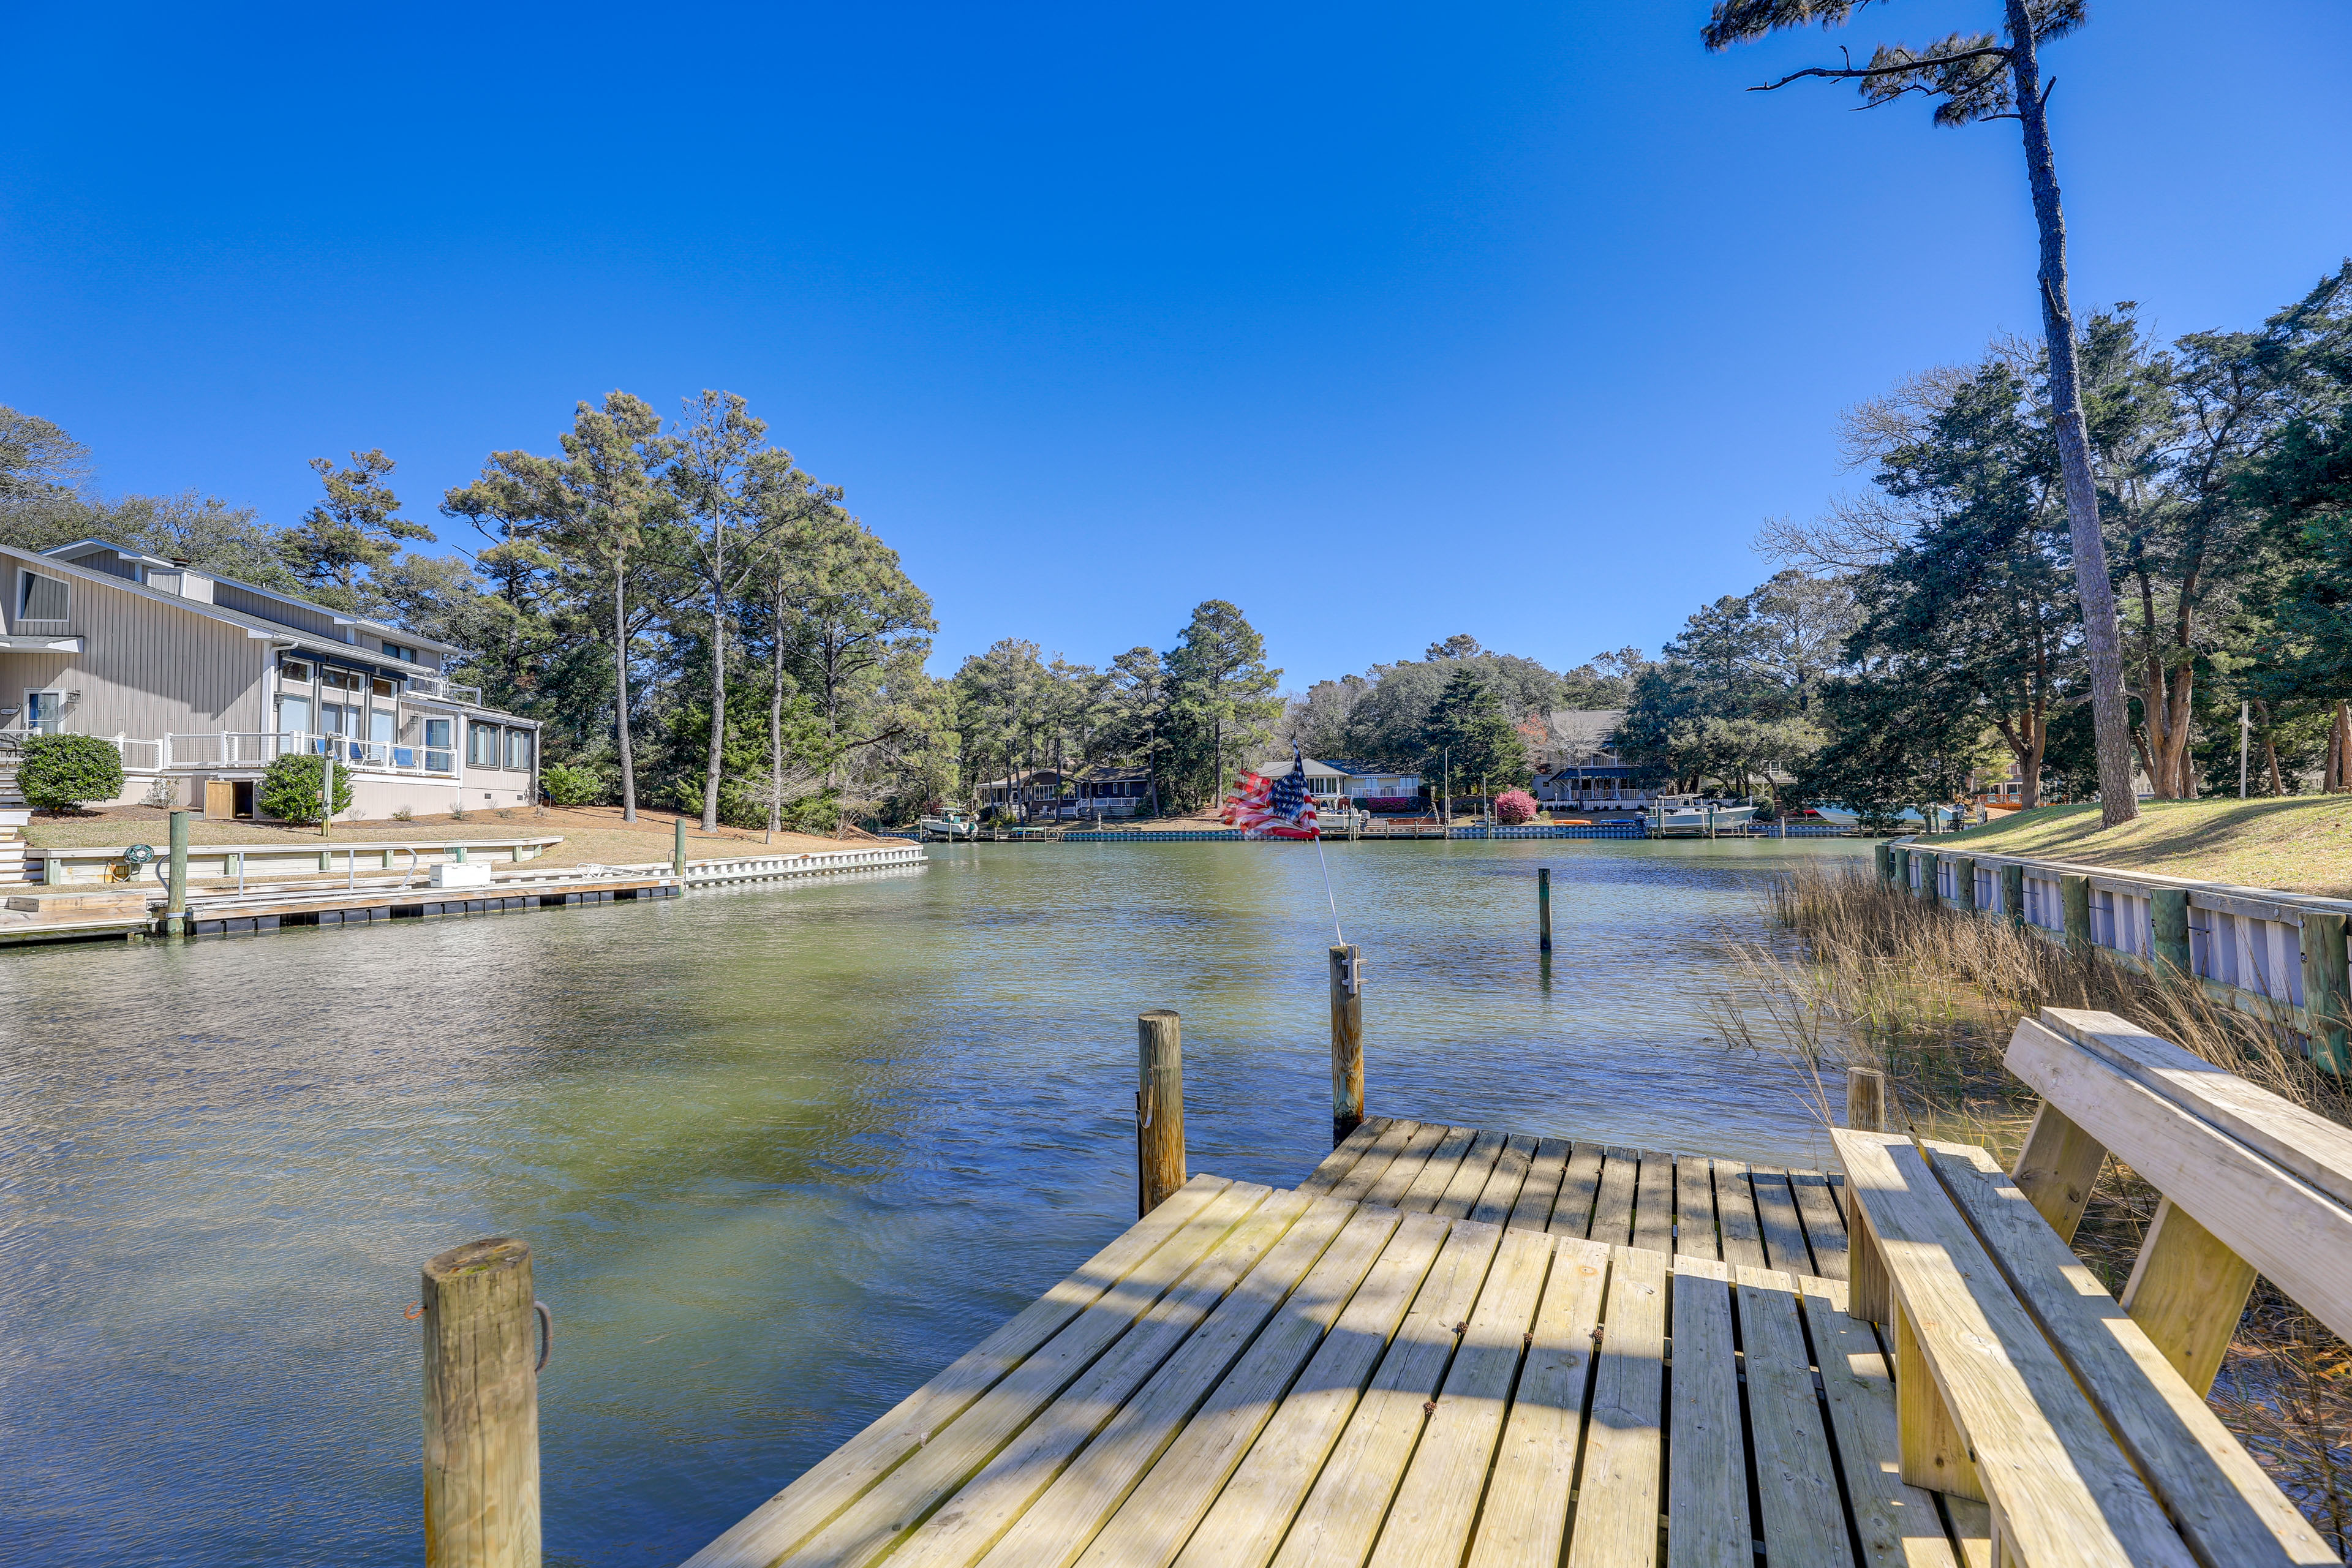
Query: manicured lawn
point(2301, 844)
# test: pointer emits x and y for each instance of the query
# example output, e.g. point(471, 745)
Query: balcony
point(247, 748)
point(433, 686)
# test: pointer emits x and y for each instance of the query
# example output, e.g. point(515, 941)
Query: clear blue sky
point(1383, 322)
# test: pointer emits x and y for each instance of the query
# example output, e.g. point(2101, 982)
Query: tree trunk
point(2109, 720)
point(718, 712)
point(2343, 749)
point(776, 731)
point(621, 687)
point(2269, 750)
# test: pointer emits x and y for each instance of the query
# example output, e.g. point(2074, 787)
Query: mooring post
point(2327, 991)
point(2075, 898)
point(1964, 882)
point(2012, 895)
point(1926, 864)
point(1865, 1100)
point(677, 851)
point(175, 897)
point(1346, 1041)
point(2169, 913)
point(481, 1408)
point(1158, 1107)
point(1543, 909)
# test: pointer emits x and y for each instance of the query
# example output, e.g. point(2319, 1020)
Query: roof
point(65, 555)
point(1359, 770)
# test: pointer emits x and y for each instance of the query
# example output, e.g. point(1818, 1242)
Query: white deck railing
point(232, 749)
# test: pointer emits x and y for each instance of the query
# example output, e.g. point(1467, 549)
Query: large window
point(518, 751)
point(41, 598)
point(481, 745)
point(437, 756)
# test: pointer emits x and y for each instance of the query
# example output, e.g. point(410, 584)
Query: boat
point(950, 826)
point(1676, 815)
point(1947, 818)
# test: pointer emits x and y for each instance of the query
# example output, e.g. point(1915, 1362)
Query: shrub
point(565, 785)
point(63, 773)
point(403, 813)
point(1514, 807)
point(289, 789)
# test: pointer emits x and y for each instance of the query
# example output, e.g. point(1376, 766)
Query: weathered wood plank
point(1796, 1483)
point(1776, 1211)
point(1525, 1517)
point(836, 1481)
point(1343, 1511)
point(1653, 1203)
point(1706, 1478)
point(1541, 1189)
point(1612, 1202)
point(1499, 1197)
point(1617, 1499)
point(1824, 1226)
point(2229, 1510)
point(1438, 1174)
point(1187, 1460)
point(1341, 1159)
point(1897, 1525)
point(1245, 1523)
point(1283, 1237)
point(2062, 1489)
point(1352, 1187)
point(1735, 1214)
point(1433, 1150)
point(1695, 1233)
point(1438, 1498)
point(1461, 1195)
point(875, 1522)
point(1571, 1213)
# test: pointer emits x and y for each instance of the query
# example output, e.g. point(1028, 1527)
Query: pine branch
point(1906, 67)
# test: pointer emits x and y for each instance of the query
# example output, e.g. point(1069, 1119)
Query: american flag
point(1265, 808)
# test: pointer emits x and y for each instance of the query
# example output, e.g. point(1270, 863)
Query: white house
point(201, 681)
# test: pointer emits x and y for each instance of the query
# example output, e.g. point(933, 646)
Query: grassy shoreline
point(2301, 844)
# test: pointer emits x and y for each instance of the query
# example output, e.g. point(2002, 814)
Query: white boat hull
point(1702, 820)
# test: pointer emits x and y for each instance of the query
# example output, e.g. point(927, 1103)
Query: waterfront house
point(1336, 781)
point(1112, 790)
point(201, 681)
point(1030, 792)
point(1583, 771)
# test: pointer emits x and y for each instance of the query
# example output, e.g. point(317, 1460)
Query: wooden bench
point(2078, 1420)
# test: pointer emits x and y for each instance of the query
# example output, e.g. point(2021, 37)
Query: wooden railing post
point(1543, 909)
point(2326, 990)
point(2075, 898)
point(1865, 1100)
point(2012, 895)
point(481, 1408)
point(1346, 1041)
point(1158, 1107)
point(2168, 912)
point(2188, 1291)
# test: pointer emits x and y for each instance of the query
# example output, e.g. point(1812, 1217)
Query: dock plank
point(1343, 1511)
point(1246, 1524)
point(1285, 1234)
point(1438, 1500)
point(1824, 1226)
point(1209, 1389)
point(1735, 1215)
point(1341, 1159)
point(839, 1478)
point(1436, 1172)
point(1431, 1152)
point(1612, 1202)
point(1707, 1481)
point(1498, 1200)
point(1376, 1161)
point(1694, 1233)
point(1616, 1521)
point(1537, 1195)
point(1477, 1166)
point(1525, 1517)
point(1653, 1203)
point(1796, 1483)
point(875, 1522)
point(1784, 1236)
point(1571, 1213)
point(1897, 1525)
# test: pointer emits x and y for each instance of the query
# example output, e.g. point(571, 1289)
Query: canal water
point(782, 1152)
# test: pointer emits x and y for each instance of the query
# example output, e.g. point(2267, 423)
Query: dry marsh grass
point(1929, 995)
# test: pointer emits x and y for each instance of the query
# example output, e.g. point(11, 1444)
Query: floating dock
point(1444, 1346)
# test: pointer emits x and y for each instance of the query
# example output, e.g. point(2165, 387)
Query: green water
point(782, 1152)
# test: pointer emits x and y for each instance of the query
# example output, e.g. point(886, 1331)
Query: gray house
point(201, 682)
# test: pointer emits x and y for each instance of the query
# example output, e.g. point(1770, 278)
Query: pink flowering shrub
point(1514, 807)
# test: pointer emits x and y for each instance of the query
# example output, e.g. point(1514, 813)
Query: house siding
point(146, 669)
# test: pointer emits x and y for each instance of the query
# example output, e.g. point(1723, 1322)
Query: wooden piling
point(677, 851)
point(1964, 882)
point(1158, 1107)
point(175, 898)
point(1885, 855)
point(2168, 912)
point(481, 1408)
point(2012, 895)
point(2075, 898)
point(2326, 990)
point(1543, 909)
point(1926, 864)
point(1347, 1042)
point(1865, 1100)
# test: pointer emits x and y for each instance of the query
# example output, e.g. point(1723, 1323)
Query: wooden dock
point(1444, 1346)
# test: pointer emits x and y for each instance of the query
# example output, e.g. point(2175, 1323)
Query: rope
point(1326, 889)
